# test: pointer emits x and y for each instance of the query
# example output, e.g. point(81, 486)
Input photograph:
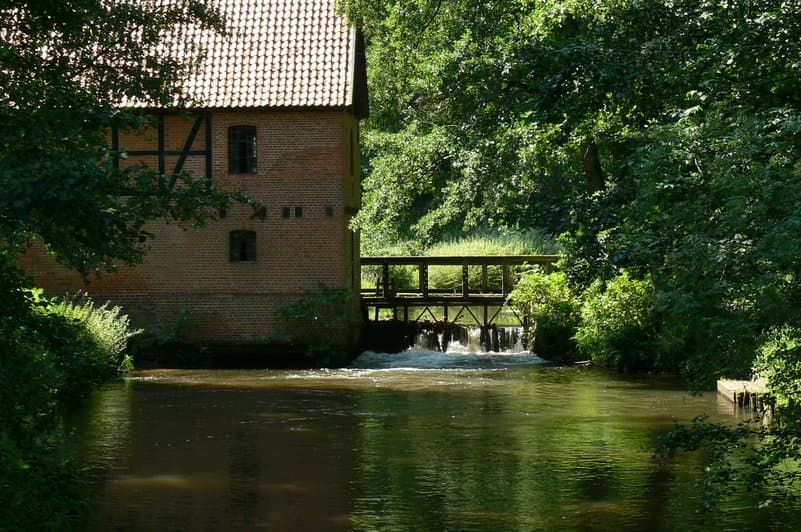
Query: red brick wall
point(302, 161)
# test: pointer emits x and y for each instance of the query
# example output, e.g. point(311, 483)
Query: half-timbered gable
point(275, 110)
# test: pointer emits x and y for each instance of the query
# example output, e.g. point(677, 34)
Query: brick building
point(279, 103)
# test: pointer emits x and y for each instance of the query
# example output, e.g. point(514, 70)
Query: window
point(329, 211)
point(242, 246)
point(285, 212)
point(298, 212)
point(242, 150)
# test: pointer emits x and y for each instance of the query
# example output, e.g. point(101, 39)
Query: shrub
point(618, 323)
point(765, 456)
point(778, 360)
point(555, 310)
point(87, 342)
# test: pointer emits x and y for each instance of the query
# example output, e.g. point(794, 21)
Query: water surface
point(412, 441)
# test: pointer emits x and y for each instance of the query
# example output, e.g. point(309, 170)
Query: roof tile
point(278, 53)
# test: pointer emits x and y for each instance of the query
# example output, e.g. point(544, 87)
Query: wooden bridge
point(477, 291)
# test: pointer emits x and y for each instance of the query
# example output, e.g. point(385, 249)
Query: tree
point(67, 72)
point(497, 112)
point(664, 136)
point(674, 128)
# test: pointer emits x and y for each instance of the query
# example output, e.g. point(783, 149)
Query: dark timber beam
point(209, 152)
point(179, 165)
point(161, 154)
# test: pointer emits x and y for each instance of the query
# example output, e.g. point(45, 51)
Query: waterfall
point(456, 338)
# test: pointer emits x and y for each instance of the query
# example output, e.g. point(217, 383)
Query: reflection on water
point(489, 442)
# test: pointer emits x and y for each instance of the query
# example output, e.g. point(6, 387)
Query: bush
point(618, 324)
point(778, 459)
point(97, 338)
point(778, 361)
point(555, 310)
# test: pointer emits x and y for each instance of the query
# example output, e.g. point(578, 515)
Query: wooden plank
point(424, 279)
point(385, 280)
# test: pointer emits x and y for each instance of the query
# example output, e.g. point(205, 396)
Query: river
point(411, 441)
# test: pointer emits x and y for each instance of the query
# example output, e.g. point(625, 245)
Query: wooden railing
point(386, 289)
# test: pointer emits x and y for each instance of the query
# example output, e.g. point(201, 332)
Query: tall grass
point(488, 242)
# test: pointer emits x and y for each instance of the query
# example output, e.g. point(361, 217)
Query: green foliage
point(755, 454)
point(779, 362)
point(479, 243)
point(38, 486)
point(438, 159)
point(618, 323)
point(495, 242)
point(100, 338)
point(51, 351)
point(725, 447)
point(65, 71)
point(555, 311)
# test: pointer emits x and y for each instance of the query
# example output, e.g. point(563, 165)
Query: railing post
point(423, 275)
point(465, 287)
point(484, 278)
point(505, 281)
point(385, 278)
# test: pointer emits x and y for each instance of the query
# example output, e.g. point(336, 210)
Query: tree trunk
point(592, 167)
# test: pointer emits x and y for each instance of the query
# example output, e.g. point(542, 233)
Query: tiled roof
point(277, 53)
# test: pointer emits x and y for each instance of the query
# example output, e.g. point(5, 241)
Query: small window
point(329, 211)
point(242, 246)
point(285, 212)
point(242, 150)
point(298, 212)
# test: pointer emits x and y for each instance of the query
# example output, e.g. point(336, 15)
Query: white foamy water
point(456, 359)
